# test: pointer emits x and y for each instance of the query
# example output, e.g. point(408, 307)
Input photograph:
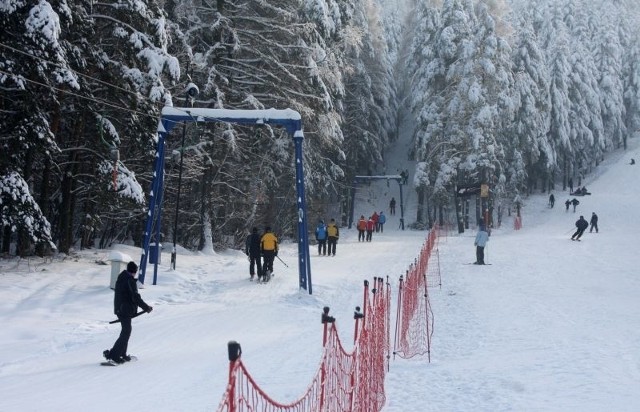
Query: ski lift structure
point(359, 180)
point(172, 116)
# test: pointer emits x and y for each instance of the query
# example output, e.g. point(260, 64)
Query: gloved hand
point(149, 309)
point(276, 253)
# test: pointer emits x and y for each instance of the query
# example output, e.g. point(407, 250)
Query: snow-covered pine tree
point(530, 157)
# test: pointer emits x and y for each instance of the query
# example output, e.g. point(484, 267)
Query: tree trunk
point(421, 195)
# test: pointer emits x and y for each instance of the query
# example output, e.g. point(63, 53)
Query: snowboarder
point(126, 301)
point(633, 161)
point(481, 241)
point(552, 200)
point(575, 202)
point(392, 206)
point(333, 234)
point(252, 250)
point(594, 222)
point(582, 225)
point(269, 250)
point(321, 237)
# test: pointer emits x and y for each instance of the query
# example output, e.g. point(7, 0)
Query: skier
point(321, 237)
point(570, 185)
point(582, 225)
point(252, 250)
point(126, 301)
point(567, 204)
point(370, 227)
point(333, 235)
point(374, 217)
point(269, 250)
point(594, 222)
point(381, 221)
point(392, 206)
point(575, 202)
point(552, 200)
point(481, 241)
point(362, 226)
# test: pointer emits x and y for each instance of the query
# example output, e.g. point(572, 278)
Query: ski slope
point(551, 325)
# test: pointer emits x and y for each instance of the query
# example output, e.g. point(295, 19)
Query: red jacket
point(371, 224)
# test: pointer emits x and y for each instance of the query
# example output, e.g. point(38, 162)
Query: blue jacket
point(382, 218)
point(481, 238)
point(321, 232)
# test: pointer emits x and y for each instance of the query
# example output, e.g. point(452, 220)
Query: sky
point(549, 325)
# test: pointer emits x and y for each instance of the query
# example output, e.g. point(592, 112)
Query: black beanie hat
point(132, 267)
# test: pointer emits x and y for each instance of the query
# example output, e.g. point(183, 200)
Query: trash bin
point(155, 253)
point(119, 263)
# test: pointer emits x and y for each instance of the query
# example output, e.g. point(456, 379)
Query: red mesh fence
point(414, 318)
point(345, 381)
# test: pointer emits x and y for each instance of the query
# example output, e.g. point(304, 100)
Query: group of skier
point(261, 251)
point(367, 227)
point(327, 235)
point(581, 224)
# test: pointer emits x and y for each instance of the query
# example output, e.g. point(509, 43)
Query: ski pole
point(282, 261)
point(134, 316)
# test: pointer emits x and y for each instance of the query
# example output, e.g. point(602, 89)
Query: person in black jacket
point(126, 301)
point(582, 225)
point(594, 222)
point(252, 250)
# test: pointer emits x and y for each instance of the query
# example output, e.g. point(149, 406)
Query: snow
point(551, 325)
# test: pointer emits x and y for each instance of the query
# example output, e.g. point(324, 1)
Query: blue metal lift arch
point(171, 116)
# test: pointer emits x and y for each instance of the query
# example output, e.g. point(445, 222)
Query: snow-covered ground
point(551, 325)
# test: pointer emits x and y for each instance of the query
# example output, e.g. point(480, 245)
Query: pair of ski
point(269, 276)
point(110, 362)
point(474, 263)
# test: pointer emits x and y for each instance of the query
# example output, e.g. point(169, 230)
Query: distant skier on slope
point(582, 225)
point(481, 241)
point(594, 222)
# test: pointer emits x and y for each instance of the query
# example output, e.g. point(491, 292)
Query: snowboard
point(112, 363)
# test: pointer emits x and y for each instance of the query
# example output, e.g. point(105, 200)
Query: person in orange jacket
point(362, 226)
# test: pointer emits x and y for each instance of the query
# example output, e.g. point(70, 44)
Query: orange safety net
point(414, 318)
point(345, 382)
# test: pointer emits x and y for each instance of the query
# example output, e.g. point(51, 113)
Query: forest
point(519, 95)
